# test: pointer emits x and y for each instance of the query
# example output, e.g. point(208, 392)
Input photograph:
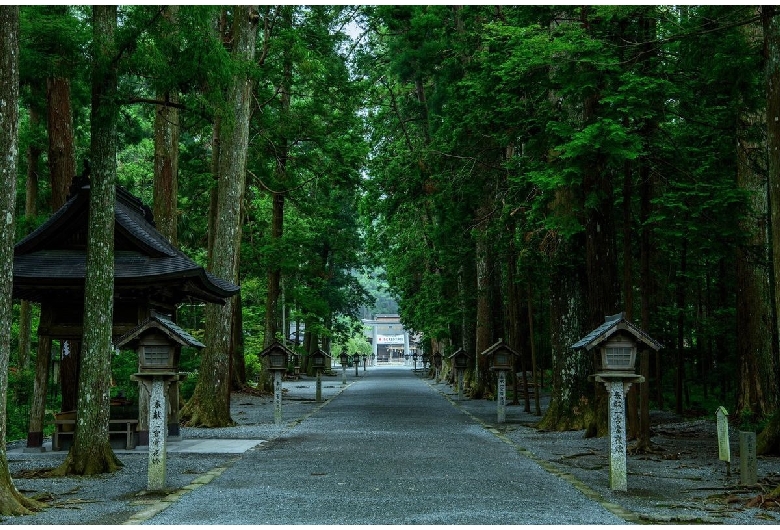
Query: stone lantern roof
point(159, 323)
point(614, 324)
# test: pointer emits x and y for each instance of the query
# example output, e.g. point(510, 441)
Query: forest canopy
point(490, 172)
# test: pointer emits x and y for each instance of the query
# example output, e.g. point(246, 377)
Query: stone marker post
point(617, 435)
point(343, 374)
point(501, 396)
point(158, 424)
point(747, 458)
point(319, 386)
point(278, 397)
point(460, 384)
point(724, 449)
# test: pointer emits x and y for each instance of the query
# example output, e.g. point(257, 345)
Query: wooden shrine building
point(151, 277)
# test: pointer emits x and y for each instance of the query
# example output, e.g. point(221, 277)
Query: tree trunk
point(166, 168)
point(680, 296)
point(534, 367)
point(210, 403)
point(62, 157)
point(11, 501)
point(274, 292)
point(30, 211)
point(91, 451)
point(757, 384)
point(238, 365)
point(771, 24)
point(38, 406)
point(571, 404)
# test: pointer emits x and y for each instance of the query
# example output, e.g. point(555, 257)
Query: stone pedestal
point(157, 387)
point(748, 464)
point(617, 385)
point(278, 397)
point(501, 399)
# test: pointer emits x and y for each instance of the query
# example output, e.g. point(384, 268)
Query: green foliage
point(19, 399)
point(446, 126)
point(123, 365)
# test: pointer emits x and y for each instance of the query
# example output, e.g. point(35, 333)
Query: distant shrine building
point(391, 343)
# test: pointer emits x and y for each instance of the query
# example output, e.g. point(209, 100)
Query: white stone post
point(158, 424)
point(724, 449)
point(501, 396)
point(278, 397)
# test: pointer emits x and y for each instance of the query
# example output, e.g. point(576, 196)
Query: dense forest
point(493, 172)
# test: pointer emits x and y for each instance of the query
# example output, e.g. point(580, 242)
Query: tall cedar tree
point(210, 403)
point(59, 46)
point(11, 501)
point(769, 440)
point(91, 451)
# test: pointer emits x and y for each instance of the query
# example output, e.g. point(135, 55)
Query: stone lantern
point(319, 361)
point(617, 341)
point(501, 359)
point(460, 360)
point(356, 362)
point(158, 341)
point(277, 356)
point(156, 353)
point(344, 359)
point(277, 362)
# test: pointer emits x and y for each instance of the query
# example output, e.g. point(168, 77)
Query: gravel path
point(388, 450)
point(394, 447)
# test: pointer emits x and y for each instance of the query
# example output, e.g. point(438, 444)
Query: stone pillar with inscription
point(617, 388)
point(617, 436)
point(748, 464)
point(501, 396)
point(158, 425)
point(157, 390)
point(278, 397)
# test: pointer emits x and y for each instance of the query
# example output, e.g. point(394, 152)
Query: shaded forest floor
point(680, 481)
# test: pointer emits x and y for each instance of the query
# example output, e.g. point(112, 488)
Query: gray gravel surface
point(394, 447)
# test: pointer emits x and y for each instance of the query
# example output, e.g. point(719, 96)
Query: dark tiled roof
point(608, 328)
point(53, 256)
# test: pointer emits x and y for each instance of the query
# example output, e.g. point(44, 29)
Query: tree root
point(764, 502)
